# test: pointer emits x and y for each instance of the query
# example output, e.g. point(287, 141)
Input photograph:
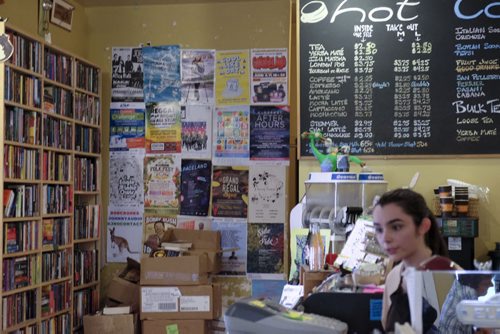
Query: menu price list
point(419, 79)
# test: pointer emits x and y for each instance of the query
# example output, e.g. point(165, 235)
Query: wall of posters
point(127, 75)
point(163, 127)
point(232, 78)
point(161, 184)
point(269, 76)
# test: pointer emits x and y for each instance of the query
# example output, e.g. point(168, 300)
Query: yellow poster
point(232, 77)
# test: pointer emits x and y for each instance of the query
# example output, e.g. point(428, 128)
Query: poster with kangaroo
point(124, 234)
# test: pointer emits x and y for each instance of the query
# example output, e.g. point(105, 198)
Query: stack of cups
point(462, 201)
point(446, 200)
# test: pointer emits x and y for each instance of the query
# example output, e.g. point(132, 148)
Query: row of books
point(87, 108)
point(27, 53)
point(22, 88)
point(87, 139)
point(57, 67)
point(57, 325)
point(87, 77)
point(56, 265)
point(86, 266)
point(57, 133)
point(21, 200)
point(58, 100)
point(56, 231)
point(20, 272)
point(22, 126)
point(20, 237)
point(56, 166)
point(85, 174)
point(87, 221)
point(56, 298)
point(85, 302)
point(21, 163)
point(56, 199)
point(18, 308)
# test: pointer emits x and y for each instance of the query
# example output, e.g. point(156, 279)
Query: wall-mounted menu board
point(401, 77)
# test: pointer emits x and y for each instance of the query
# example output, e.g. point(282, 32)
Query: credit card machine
point(248, 316)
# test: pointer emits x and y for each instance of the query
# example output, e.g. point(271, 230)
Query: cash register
point(248, 316)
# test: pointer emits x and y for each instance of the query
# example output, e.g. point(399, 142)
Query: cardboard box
point(178, 270)
point(182, 326)
point(202, 242)
point(311, 279)
point(123, 292)
point(111, 324)
point(181, 302)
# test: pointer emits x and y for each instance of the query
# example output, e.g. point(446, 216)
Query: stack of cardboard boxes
point(177, 292)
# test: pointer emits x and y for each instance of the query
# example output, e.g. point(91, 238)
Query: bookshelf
point(51, 145)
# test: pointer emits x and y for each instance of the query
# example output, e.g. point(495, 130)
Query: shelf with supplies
point(51, 215)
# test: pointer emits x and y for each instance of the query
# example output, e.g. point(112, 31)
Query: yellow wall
point(433, 172)
point(23, 15)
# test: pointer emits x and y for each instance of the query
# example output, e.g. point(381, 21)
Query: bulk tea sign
point(389, 77)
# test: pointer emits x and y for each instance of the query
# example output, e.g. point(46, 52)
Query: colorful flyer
point(234, 245)
point(161, 184)
point(126, 181)
point(232, 75)
point(123, 234)
point(231, 136)
point(269, 134)
point(163, 127)
point(127, 75)
point(154, 231)
point(196, 133)
point(269, 76)
point(162, 77)
point(266, 249)
point(195, 187)
point(267, 194)
point(127, 126)
point(230, 192)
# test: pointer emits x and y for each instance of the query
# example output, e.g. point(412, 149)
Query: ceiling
point(107, 3)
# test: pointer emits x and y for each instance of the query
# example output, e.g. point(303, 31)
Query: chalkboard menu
point(401, 77)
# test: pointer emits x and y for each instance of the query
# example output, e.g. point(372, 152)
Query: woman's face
point(398, 235)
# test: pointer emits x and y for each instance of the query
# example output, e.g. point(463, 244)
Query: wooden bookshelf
point(51, 145)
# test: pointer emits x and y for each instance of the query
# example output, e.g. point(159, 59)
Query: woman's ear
point(425, 226)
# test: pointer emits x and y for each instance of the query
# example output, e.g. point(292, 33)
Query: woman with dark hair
point(408, 232)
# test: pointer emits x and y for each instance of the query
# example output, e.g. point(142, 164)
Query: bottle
point(316, 249)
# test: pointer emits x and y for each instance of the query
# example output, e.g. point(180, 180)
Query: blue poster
point(126, 126)
point(162, 74)
point(269, 133)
